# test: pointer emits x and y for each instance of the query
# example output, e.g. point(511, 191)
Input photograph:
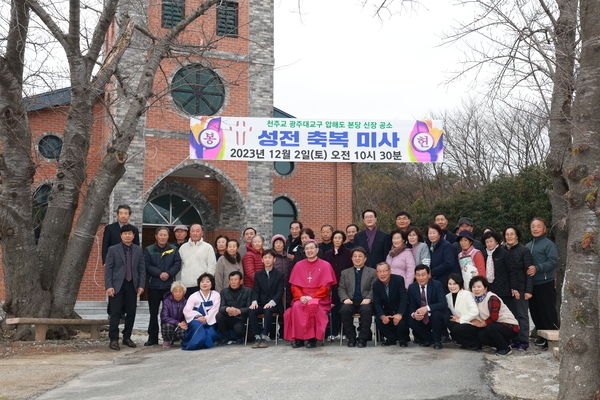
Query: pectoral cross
point(309, 278)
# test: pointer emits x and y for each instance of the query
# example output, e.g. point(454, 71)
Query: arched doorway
point(167, 210)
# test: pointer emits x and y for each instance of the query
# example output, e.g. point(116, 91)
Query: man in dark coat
point(427, 308)
point(441, 220)
point(377, 243)
point(112, 232)
point(162, 264)
point(390, 301)
point(266, 298)
point(293, 243)
point(233, 312)
point(124, 280)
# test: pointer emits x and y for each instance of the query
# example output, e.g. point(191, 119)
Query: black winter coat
point(518, 259)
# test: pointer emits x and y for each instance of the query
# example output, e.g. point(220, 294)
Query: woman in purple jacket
point(173, 325)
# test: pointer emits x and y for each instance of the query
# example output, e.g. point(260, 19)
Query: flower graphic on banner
point(426, 142)
point(207, 140)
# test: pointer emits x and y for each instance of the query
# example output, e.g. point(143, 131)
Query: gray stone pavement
point(280, 372)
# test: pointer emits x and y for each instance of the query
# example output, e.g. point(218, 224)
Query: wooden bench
point(41, 325)
point(552, 337)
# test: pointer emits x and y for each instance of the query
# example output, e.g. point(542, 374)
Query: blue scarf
point(480, 298)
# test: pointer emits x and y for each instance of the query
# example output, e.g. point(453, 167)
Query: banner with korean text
point(283, 139)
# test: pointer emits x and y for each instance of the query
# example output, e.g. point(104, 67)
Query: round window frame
point(215, 75)
point(45, 136)
point(292, 168)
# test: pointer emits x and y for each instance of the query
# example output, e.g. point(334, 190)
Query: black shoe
point(541, 342)
point(424, 344)
point(388, 342)
point(403, 343)
point(417, 340)
point(311, 344)
point(437, 345)
point(224, 342)
point(297, 343)
point(129, 342)
point(504, 352)
point(114, 344)
point(362, 343)
point(239, 341)
point(351, 343)
point(475, 348)
point(149, 342)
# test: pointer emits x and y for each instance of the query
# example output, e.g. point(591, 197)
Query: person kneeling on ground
point(463, 310)
point(266, 298)
point(499, 324)
point(200, 313)
point(172, 321)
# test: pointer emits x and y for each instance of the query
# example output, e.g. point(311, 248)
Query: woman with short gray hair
point(173, 325)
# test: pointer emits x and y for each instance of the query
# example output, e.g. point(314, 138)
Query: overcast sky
point(339, 61)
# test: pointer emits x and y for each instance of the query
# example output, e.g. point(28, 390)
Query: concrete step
point(549, 334)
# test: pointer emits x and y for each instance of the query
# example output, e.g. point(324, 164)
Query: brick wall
point(237, 194)
point(322, 190)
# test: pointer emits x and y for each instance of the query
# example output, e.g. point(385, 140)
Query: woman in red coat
point(252, 261)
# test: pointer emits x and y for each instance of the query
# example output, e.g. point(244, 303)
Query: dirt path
point(28, 369)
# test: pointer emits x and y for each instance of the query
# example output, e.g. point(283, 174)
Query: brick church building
point(162, 184)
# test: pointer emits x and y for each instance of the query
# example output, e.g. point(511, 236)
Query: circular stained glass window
point(50, 146)
point(198, 91)
point(284, 167)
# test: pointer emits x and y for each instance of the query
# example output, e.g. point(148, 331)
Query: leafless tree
point(484, 140)
point(548, 48)
point(42, 279)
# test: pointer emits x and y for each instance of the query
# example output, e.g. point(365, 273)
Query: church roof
point(61, 97)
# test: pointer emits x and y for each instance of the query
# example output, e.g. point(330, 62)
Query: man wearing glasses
point(377, 243)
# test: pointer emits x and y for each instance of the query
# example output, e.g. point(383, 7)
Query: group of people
point(444, 286)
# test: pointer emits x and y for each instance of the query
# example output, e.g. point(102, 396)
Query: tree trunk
point(579, 336)
point(74, 262)
point(560, 127)
point(70, 177)
point(24, 295)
